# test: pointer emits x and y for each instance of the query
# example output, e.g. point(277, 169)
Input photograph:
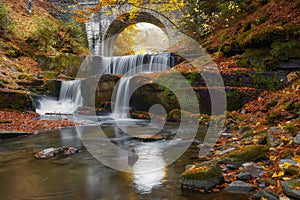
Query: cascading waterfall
point(129, 66)
point(70, 98)
point(69, 101)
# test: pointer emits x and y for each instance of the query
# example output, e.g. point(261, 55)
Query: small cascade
point(129, 66)
point(69, 101)
point(121, 107)
point(138, 64)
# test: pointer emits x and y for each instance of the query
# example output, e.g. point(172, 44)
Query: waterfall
point(69, 101)
point(138, 64)
point(129, 66)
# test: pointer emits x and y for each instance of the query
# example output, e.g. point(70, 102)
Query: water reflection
point(82, 177)
point(148, 172)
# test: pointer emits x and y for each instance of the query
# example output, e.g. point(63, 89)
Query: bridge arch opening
point(148, 35)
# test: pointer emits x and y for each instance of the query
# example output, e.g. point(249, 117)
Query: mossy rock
point(26, 76)
point(202, 176)
point(47, 74)
point(237, 98)
point(65, 63)
point(249, 154)
point(290, 188)
point(175, 116)
point(16, 100)
point(274, 117)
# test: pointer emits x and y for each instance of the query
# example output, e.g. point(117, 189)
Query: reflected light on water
point(148, 172)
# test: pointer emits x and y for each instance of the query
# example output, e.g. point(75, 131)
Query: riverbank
point(258, 151)
point(27, 122)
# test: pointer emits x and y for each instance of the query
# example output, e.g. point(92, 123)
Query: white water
point(137, 64)
point(69, 101)
point(129, 66)
point(70, 98)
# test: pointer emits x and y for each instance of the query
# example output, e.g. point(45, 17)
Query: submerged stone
point(201, 176)
point(56, 152)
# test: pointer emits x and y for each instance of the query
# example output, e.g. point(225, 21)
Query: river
point(81, 176)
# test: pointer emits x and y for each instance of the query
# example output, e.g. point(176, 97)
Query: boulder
point(250, 154)
point(16, 100)
point(201, 176)
point(254, 169)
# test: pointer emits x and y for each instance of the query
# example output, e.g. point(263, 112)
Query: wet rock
point(240, 187)
point(297, 138)
point(267, 194)
point(201, 176)
point(254, 169)
point(244, 176)
point(250, 154)
point(290, 188)
point(291, 162)
point(56, 152)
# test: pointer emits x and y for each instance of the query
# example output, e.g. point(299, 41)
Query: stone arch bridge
point(103, 30)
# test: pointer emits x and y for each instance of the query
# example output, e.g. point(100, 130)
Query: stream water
point(81, 176)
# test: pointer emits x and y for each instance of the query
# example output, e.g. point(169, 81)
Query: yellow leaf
point(279, 174)
point(107, 12)
point(296, 159)
point(273, 158)
point(285, 165)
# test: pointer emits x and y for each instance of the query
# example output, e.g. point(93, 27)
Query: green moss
point(202, 171)
point(249, 154)
point(3, 83)
point(291, 128)
point(274, 117)
point(26, 76)
point(261, 81)
point(289, 105)
point(47, 74)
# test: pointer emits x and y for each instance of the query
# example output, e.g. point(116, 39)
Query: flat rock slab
point(239, 187)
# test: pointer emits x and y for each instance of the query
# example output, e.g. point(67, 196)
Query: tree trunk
point(29, 6)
